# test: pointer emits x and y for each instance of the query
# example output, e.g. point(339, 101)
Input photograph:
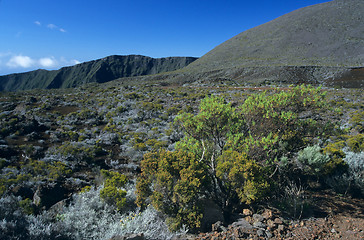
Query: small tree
point(228, 155)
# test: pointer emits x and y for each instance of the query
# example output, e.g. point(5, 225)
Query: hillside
point(316, 42)
point(100, 71)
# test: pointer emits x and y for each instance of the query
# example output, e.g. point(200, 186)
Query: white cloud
point(52, 26)
point(62, 30)
point(37, 23)
point(11, 62)
point(20, 61)
point(74, 62)
point(47, 62)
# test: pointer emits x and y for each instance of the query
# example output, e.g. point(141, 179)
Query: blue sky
point(49, 34)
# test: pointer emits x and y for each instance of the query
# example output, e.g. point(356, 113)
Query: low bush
point(312, 160)
point(112, 193)
point(89, 218)
point(352, 180)
point(294, 201)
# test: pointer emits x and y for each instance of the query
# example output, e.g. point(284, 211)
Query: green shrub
point(242, 176)
point(313, 160)
point(132, 95)
point(85, 189)
point(27, 206)
point(279, 115)
point(2, 163)
point(229, 155)
point(114, 196)
point(356, 143)
point(114, 178)
point(80, 151)
point(112, 192)
point(150, 106)
point(179, 181)
point(357, 120)
point(50, 171)
point(156, 144)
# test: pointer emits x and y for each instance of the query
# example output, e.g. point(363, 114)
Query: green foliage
point(179, 180)
point(132, 95)
point(313, 160)
point(357, 120)
point(356, 143)
point(156, 144)
point(216, 122)
point(42, 170)
point(10, 179)
point(138, 141)
point(85, 189)
point(282, 116)
point(113, 195)
point(72, 135)
point(112, 192)
point(35, 170)
point(334, 149)
point(80, 152)
point(2, 163)
point(110, 127)
point(242, 176)
point(114, 178)
point(173, 110)
point(27, 206)
point(151, 106)
point(229, 155)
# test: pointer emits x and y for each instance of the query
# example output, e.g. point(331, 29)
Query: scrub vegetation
point(113, 159)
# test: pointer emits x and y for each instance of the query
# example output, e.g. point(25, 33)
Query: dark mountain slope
point(101, 70)
point(329, 36)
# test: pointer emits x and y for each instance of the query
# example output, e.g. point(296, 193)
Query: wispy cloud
point(52, 26)
point(55, 27)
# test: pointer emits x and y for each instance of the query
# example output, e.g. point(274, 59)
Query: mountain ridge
point(100, 71)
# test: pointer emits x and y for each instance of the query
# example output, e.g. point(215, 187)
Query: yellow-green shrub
point(228, 155)
point(179, 180)
point(356, 142)
point(112, 192)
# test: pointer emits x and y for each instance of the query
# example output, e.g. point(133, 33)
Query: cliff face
point(101, 70)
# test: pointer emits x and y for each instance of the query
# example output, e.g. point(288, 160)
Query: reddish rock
point(280, 228)
point(271, 224)
point(278, 221)
point(247, 212)
point(267, 214)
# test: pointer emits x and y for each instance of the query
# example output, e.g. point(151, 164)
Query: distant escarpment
point(99, 71)
point(323, 42)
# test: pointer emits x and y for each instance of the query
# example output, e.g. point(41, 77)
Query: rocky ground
point(337, 217)
point(333, 217)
